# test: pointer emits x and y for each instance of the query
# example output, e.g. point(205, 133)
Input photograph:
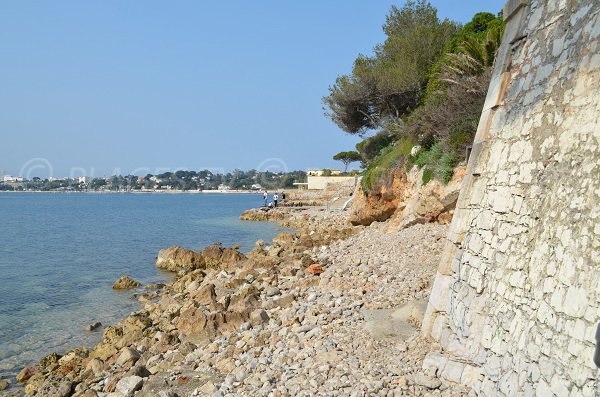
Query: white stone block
point(543, 390)
point(576, 301)
point(470, 375)
point(453, 371)
point(435, 361)
point(440, 291)
point(438, 325)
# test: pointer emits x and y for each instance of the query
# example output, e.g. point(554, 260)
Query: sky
point(112, 87)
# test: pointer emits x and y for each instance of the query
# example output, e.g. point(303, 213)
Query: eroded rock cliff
point(406, 200)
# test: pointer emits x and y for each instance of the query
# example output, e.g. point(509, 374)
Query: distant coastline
point(138, 191)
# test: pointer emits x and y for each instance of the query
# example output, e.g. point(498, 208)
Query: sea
point(61, 252)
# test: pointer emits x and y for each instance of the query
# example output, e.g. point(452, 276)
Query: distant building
point(323, 172)
point(224, 187)
point(317, 180)
point(84, 179)
point(256, 186)
point(9, 178)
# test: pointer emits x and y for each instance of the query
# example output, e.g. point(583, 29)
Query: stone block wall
point(516, 300)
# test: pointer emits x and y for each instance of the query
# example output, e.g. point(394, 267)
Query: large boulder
point(177, 258)
point(217, 257)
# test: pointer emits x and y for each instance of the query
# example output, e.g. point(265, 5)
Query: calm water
point(60, 254)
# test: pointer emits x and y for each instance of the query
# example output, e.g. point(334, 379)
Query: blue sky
point(107, 87)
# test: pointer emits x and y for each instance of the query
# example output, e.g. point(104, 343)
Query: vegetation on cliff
point(424, 86)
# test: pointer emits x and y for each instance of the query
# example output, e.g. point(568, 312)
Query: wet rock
point(93, 326)
point(50, 359)
point(4, 384)
point(125, 282)
point(25, 374)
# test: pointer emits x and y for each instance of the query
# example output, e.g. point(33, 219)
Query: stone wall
point(516, 299)
point(322, 182)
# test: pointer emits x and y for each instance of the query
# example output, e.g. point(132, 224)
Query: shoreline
point(323, 283)
point(141, 192)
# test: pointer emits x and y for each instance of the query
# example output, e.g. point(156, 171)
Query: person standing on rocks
point(265, 197)
point(282, 197)
point(275, 198)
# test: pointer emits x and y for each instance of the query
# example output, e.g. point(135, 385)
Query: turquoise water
point(61, 252)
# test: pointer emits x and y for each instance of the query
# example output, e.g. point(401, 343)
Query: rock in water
point(177, 258)
point(25, 374)
point(93, 326)
point(125, 282)
point(4, 384)
point(50, 359)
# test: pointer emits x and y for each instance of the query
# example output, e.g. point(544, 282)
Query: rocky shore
point(330, 309)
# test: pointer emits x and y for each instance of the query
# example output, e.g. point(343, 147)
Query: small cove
point(61, 252)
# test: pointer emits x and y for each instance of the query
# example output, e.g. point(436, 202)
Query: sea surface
point(61, 252)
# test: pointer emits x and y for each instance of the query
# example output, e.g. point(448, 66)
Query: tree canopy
point(347, 158)
point(389, 84)
point(424, 85)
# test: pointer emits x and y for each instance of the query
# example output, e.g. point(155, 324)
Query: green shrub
point(380, 166)
point(427, 174)
point(405, 145)
point(428, 157)
point(437, 163)
point(445, 167)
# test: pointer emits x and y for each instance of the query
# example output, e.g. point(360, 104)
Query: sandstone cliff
point(406, 201)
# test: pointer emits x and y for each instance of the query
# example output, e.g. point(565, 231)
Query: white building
point(84, 179)
point(323, 172)
point(9, 178)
